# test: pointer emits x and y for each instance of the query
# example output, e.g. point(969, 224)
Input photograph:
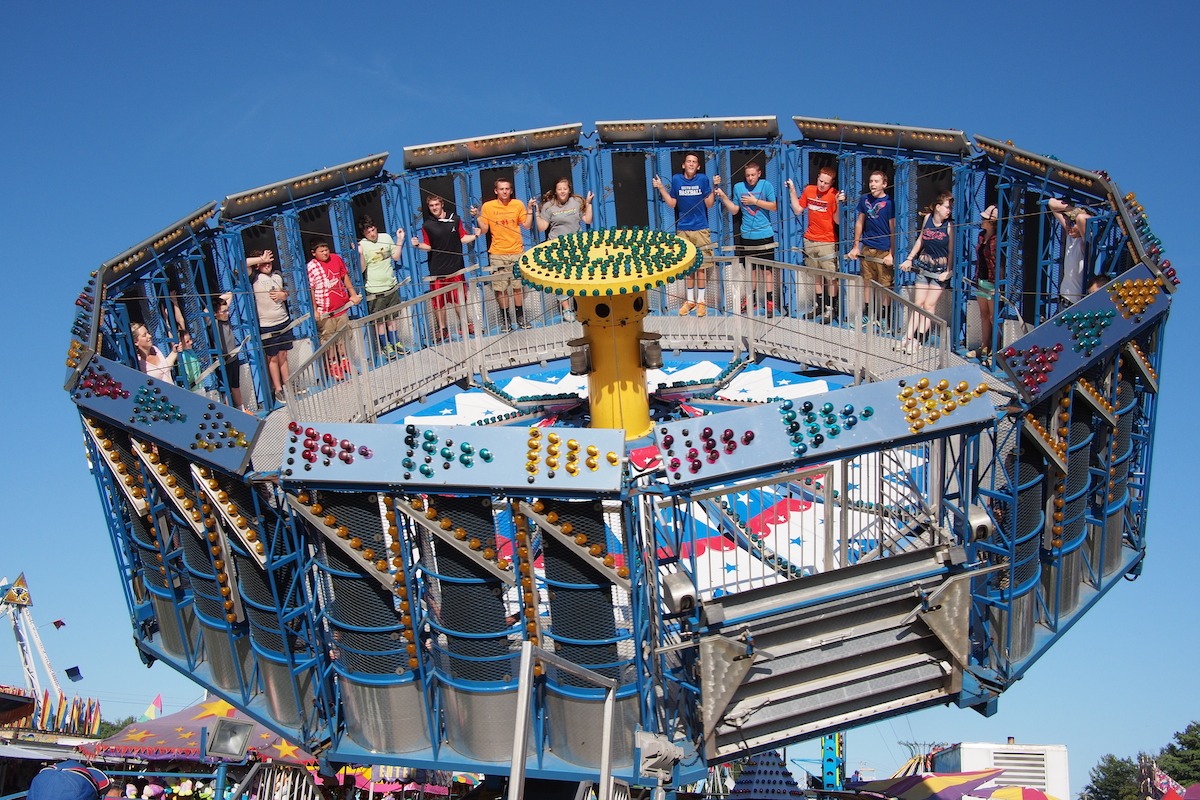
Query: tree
point(108, 728)
point(1181, 758)
point(1112, 779)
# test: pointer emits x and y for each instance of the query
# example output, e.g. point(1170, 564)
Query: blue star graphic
point(731, 567)
point(798, 541)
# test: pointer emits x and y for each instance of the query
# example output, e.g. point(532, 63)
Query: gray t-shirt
point(563, 219)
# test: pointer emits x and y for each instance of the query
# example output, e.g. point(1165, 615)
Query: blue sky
point(123, 117)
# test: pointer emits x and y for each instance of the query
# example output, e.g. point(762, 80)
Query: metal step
point(805, 657)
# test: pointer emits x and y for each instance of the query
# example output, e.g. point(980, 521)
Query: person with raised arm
point(754, 200)
point(690, 193)
point(821, 200)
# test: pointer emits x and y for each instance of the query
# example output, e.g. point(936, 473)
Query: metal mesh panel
point(188, 300)
point(241, 495)
point(472, 603)
point(370, 652)
point(1029, 499)
point(264, 622)
point(1029, 519)
point(358, 511)
point(203, 578)
point(179, 468)
point(1078, 457)
point(146, 548)
point(143, 534)
point(581, 598)
point(1125, 422)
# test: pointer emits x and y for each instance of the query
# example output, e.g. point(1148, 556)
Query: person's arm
point(890, 259)
point(763, 202)
point(397, 250)
point(730, 206)
point(586, 214)
point(858, 232)
point(526, 220)
point(906, 264)
point(796, 209)
point(480, 219)
point(355, 297)
point(949, 254)
point(543, 224)
point(711, 197)
point(362, 258)
point(663, 192)
point(467, 238)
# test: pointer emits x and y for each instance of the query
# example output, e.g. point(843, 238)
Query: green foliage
point(108, 728)
point(1112, 779)
point(1181, 758)
point(1119, 778)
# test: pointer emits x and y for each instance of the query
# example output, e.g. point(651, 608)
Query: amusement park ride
point(626, 543)
point(33, 707)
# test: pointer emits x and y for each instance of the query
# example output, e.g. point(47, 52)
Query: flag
point(43, 721)
point(59, 623)
point(1163, 782)
point(61, 713)
point(153, 711)
point(74, 674)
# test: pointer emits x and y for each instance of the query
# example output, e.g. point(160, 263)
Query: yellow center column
point(609, 273)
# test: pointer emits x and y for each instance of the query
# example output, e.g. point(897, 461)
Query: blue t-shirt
point(690, 212)
point(756, 222)
point(879, 213)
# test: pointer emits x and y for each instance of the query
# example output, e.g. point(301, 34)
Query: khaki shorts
point(821, 255)
point(701, 239)
point(501, 270)
point(873, 268)
point(328, 326)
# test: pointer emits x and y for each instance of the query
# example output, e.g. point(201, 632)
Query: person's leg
point(986, 321)
point(519, 304)
point(273, 371)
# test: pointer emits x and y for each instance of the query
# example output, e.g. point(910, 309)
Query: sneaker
point(910, 347)
point(523, 324)
point(701, 310)
point(470, 329)
point(770, 309)
point(568, 315)
point(743, 305)
point(335, 371)
point(279, 398)
point(389, 352)
point(815, 313)
point(505, 327)
point(686, 308)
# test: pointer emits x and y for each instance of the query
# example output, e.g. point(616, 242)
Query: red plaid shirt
point(327, 279)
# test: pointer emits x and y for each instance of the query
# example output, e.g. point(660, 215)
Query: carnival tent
point(177, 737)
point(928, 786)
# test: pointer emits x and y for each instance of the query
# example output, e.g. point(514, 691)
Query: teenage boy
point(504, 218)
point(691, 195)
point(821, 201)
point(875, 240)
point(754, 199)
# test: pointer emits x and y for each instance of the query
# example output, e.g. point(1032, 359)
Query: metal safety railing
point(402, 354)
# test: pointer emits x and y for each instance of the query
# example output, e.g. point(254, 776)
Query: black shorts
point(276, 338)
point(754, 248)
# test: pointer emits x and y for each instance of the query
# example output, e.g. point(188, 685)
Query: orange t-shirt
point(822, 211)
point(504, 222)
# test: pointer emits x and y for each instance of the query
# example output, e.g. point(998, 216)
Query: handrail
point(355, 376)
